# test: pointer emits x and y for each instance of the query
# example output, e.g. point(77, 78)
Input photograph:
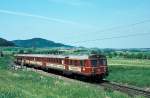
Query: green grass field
point(129, 62)
point(27, 84)
point(128, 71)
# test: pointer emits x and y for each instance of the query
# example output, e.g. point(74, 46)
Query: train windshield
point(100, 62)
point(94, 63)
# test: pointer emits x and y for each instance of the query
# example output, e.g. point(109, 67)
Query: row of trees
point(129, 55)
point(30, 51)
point(108, 53)
point(123, 54)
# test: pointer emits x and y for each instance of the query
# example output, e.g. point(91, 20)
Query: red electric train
point(93, 66)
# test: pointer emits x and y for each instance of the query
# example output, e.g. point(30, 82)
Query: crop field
point(28, 84)
point(129, 62)
point(127, 71)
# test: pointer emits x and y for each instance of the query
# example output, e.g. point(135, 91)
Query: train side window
point(60, 61)
point(56, 60)
point(67, 61)
point(53, 60)
point(71, 62)
point(81, 63)
point(94, 63)
point(76, 63)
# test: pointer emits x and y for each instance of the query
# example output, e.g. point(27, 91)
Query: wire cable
point(114, 28)
point(114, 37)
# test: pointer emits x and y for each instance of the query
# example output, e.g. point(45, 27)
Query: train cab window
point(102, 62)
point(94, 63)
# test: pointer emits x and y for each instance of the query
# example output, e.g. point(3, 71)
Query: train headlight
point(83, 69)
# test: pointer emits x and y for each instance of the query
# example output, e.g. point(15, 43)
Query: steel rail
point(130, 90)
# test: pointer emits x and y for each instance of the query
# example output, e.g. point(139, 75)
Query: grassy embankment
point(128, 71)
point(27, 84)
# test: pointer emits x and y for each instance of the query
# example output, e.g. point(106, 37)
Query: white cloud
point(37, 16)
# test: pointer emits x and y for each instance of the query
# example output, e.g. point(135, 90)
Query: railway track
point(130, 90)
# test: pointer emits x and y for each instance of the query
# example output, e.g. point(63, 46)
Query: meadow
point(28, 84)
point(130, 71)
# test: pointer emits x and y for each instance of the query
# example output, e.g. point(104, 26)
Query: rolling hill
point(39, 43)
point(4, 42)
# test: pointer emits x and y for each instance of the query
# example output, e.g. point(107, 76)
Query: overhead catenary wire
point(114, 37)
point(120, 27)
point(123, 26)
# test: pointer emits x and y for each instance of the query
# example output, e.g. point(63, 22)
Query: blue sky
point(69, 21)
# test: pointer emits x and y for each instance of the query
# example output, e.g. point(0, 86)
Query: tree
point(98, 52)
point(125, 55)
point(139, 56)
point(110, 55)
point(1, 54)
point(29, 51)
point(120, 54)
point(148, 57)
point(21, 51)
point(144, 56)
point(132, 55)
point(114, 54)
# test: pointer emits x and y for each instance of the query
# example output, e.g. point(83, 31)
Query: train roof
point(55, 56)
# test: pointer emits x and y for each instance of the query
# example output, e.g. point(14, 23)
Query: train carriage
point(94, 66)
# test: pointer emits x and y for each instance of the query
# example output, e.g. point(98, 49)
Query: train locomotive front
point(93, 66)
